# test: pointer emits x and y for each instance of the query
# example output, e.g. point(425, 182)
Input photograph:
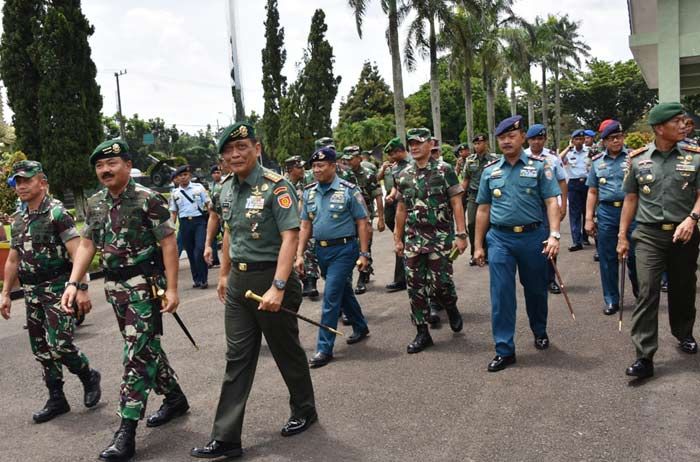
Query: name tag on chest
point(255, 203)
point(337, 198)
point(685, 168)
point(528, 172)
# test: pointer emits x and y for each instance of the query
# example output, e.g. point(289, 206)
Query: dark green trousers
point(656, 253)
point(390, 220)
point(245, 325)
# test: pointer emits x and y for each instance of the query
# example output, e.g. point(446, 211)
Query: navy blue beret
point(589, 133)
point(324, 154)
point(536, 130)
point(579, 132)
point(612, 127)
point(510, 124)
point(183, 169)
point(214, 168)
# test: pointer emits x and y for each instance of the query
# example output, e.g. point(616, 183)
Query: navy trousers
point(608, 228)
point(577, 208)
point(193, 233)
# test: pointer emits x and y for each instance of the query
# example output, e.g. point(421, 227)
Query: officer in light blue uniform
point(335, 215)
point(575, 158)
point(511, 193)
point(605, 190)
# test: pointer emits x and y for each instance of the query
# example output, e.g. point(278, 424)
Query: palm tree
point(393, 9)
point(543, 39)
point(518, 59)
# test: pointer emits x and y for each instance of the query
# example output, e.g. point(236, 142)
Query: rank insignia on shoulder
point(311, 185)
point(272, 176)
point(689, 147)
point(347, 184)
point(636, 152)
point(536, 157)
point(597, 156)
point(491, 163)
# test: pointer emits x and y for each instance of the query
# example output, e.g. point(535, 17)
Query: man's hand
point(684, 231)
point(82, 299)
point(68, 299)
point(221, 288)
point(389, 199)
point(591, 228)
point(5, 305)
point(551, 248)
point(299, 265)
point(171, 302)
point(209, 255)
point(480, 256)
point(398, 247)
point(461, 244)
point(364, 263)
point(562, 212)
point(623, 247)
point(380, 224)
point(272, 300)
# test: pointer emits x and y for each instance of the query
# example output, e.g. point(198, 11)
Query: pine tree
point(370, 97)
point(20, 21)
point(274, 83)
point(293, 139)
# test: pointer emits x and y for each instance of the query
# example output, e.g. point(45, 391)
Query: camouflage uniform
point(126, 230)
point(426, 193)
point(473, 167)
point(44, 267)
point(310, 259)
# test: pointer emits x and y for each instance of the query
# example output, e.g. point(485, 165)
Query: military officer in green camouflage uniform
point(471, 176)
point(662, 190)
point(131, 227)
point(214, 221)
point(298, 177)
point(43, 238)
point(261, 233)
point(429, 205)
point(372, 193)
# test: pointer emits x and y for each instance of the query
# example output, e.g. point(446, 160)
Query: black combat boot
point(91, 386)
point(362, 279)
point(310, 289)
point(174, 405)
point(422, 340)
point(123, 445)
point(455, 318)
point(55, 406)
point(305, 287)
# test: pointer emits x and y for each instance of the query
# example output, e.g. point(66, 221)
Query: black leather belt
point(518, 229)
point(192, 218)
point(662, 226)
point(617, 204)
point(339, 241)
point(580, 180)
point(253, 266)
point(36, 278)
point(125, 273)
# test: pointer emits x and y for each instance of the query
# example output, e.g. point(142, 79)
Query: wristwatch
point(365, 254)
point(694, 216)
point(280, 284)
point(461, 235)
point(555, 234)
point(78, 285)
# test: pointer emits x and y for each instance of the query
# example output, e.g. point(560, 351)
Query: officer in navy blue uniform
point(575, 159)
point(511, 193)
point(334, 214)
point(605, 198)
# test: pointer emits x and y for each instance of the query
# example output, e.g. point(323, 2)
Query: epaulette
point(272, 176)
point(689, 147)
point(491, 163)
point(597, 156)
point(347, 184)
point(637, 151)
point(536, 157)
point(311, 185)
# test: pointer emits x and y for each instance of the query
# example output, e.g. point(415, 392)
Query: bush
point(8, 197)
point(635, 140)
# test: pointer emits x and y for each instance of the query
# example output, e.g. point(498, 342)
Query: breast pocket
point(646, 177)
point(496, 186)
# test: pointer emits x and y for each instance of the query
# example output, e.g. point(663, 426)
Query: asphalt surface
point(377, 403)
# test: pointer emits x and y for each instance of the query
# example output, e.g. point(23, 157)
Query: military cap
point(214, 168)
point(294, 161)
point(589, 132)
point(536, 130)
point(110, 148)
point(694, 118)
point(612, 127)
point(418, 134)
point(183, 169)
point(25, 169)
point(394, 143)
point(325, 153)
point(479, 137)
point(510, 124)
point(237, 131)
point(663, 112)
point(324, 142)
point(351, 151)
point(462, 146)
point(577, 133)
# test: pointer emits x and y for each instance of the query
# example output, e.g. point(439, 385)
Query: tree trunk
point(434, 82)
point(490, 108)
point(399, 103)
point(530, 110)
point(513, 98)
point(557, 108)
point(544, 95)
point(468, 104)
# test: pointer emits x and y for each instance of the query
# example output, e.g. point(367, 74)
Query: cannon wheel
point(159, 177)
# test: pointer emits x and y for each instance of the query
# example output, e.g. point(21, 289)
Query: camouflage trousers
point(51, 332)
point(146, 366)
point(429, 277)
point(311, 260)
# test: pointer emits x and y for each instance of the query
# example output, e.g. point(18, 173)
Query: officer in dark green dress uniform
point(663, 195)
point(261, 232)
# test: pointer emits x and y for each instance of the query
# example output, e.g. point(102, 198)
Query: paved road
point(376, 403)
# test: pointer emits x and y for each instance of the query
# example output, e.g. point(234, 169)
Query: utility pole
point(122, 131)
point(234, 65)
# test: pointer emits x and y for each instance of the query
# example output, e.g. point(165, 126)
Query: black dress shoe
point(611, 309)
point(174, 405)
point(362, 280)
point(395, 286)
point(472, 262)
point(664, 286)
point(501, 362)
point(455, 318)
point(345, 320)
point(688, 345)
point(204, 285)
point(319, 360)
point(575, 248)
point(541, 342)
point(642, 368)
point(123, 445)
point(215, 449)
point(196, 285)
point(91, 387)
point(358, 336)
point(554, 288)
point(296, 425)
point(422, 341)
point(596, 257)
point(310, 289)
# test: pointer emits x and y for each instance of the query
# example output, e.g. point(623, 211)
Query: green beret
point(418, 134)
point(25, 169)
point(324, 142)
point(351, 151)
point(110, 148)
point(237, 131)
point(663, 112)
point(394, 143)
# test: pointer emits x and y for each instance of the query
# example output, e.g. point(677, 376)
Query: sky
point(175, 52)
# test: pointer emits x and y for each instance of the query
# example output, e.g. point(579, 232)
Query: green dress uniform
point(667, 184)
point(255, 211)
point(473, 168)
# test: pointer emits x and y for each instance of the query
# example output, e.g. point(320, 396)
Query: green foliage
point(370, 97)
point(8, 197)
point(274, 83)
point(294, 140)
point(607, 90)
point(636, 140)
point(692, 103)
point(368, 133)
point(448, 154)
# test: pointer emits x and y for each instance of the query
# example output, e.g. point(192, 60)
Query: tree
point(69, 98)
point(274, 83)
point(294, 140)
point(369, 133)
point(20, 21)
point(393, 9)
point(370, 97)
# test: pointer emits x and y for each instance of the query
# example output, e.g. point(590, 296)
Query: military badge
point(284, 201)
point(116, 148)
point(646, 189)
point(496, 193)
point(602, 181)
point(243, 131)
point(279, 190)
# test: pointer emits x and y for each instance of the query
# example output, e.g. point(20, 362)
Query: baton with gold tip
point(563, 289)
point(253, 296)
point(160, 294)
point(623, 270)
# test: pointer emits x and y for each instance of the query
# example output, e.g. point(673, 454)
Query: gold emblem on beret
point(496, 193)
point(243, 131)
point(321, 155)
point(603, 181)
point(116, 148)
point(646, 189)
point(516, 124)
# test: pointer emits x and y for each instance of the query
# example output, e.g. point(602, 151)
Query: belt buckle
point(617, 204)
point(243, 267)
point(323, 243)
point(667, 226)
point(518, 229)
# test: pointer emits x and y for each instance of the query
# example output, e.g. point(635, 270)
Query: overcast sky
point(176, 51)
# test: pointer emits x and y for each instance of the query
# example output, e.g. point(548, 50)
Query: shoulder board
point(272, 176)
point(491, 163)
point(471, 157)
point(690, 147)
point(597, 156)
point(347, 184)
point(637, 151)
point(536, 157)
point(311, 185)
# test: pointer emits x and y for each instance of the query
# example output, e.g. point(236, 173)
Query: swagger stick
point(563, 288)
point(623, 270)
point(159, 293)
